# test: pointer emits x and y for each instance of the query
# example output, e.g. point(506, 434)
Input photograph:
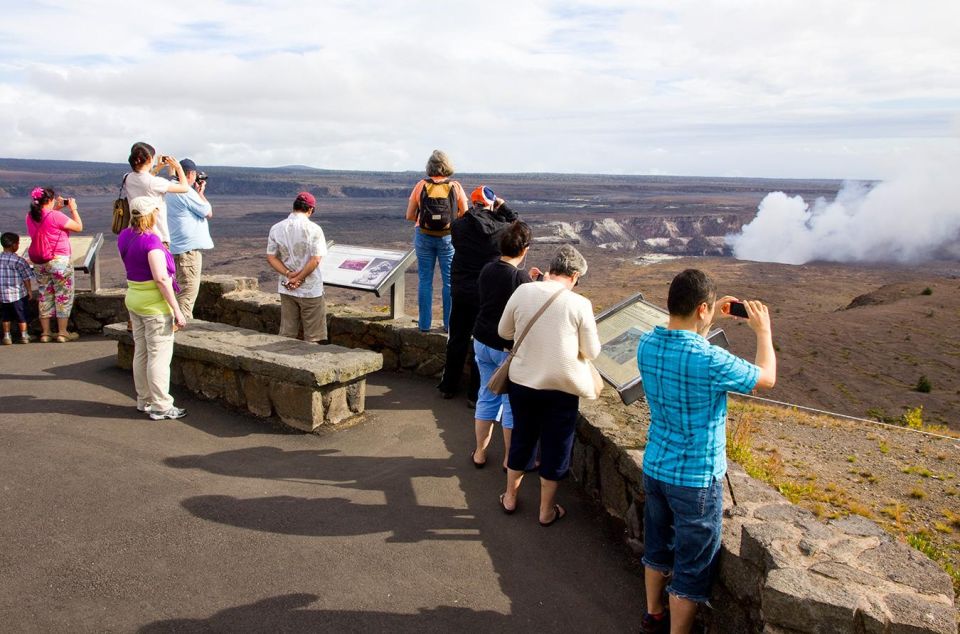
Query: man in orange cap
point(475, 243)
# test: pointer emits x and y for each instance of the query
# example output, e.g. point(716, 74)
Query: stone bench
point(305, 386)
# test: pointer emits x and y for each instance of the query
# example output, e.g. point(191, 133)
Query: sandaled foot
point(45, 338)
point(558, 514)
point(478, 465)
point(503, 505)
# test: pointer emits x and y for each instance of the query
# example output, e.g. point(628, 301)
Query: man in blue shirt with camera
point(686, 380)
point(187, 219)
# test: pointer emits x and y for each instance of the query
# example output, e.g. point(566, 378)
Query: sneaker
point(171, 414)
point(24, 338)
point(7, 340)
point(146, 409)
point(654, 624)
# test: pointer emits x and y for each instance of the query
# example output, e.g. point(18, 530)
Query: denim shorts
point(491, 406)
point(681, 534)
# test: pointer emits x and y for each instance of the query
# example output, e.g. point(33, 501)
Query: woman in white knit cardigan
point(548, 375)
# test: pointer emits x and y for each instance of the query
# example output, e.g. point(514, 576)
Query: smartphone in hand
point(737, 309)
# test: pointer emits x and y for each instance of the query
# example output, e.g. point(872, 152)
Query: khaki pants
point(152, 353)
point(308, 312)
point(188, 278)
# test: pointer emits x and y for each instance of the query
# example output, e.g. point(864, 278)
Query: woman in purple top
point(154, 312)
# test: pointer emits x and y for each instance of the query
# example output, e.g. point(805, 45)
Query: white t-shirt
point(294, 241)
point(146, 184)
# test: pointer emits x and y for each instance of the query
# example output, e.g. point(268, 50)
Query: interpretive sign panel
point(85, 258)
point(620, 329)
point(366, 269)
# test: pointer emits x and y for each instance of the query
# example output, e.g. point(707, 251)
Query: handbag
point(121, 210)
point(500, 380)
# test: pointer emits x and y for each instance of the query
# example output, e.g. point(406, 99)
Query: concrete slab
point(113, 522)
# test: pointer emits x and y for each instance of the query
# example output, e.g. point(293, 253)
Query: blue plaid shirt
point(14, 270)
point(686, 380)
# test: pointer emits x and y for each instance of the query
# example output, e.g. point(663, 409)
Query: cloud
point(766, 89)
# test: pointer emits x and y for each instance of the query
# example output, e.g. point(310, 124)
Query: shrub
point(927, 291)
point(913, 418)
point(923, 384)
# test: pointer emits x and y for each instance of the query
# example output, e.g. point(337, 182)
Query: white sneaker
point(7, 341)
point(24, 338)
point(144, 408)
point(171, 414)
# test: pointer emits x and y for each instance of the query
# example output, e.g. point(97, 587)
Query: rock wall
point(781, 569)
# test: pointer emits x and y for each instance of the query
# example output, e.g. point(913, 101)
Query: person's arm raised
point(759, 321)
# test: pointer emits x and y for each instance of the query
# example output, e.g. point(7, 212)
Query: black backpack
point(438, 204)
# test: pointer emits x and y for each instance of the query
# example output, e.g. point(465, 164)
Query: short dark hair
point(8, 239)
point(300, 204)
point(688, 290)
point(515, 238)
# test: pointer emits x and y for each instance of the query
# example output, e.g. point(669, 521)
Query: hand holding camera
point(754, 311)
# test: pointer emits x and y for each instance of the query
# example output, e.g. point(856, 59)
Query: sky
point(753, 88)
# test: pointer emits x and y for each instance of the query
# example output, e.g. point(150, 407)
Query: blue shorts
point(491, 406)
point(15, 311)
point(681, 534)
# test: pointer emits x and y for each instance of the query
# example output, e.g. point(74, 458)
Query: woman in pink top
point(49, 231)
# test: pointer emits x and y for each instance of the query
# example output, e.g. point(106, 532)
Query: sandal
point(504, 507)
point(558, 514)
point(45, 338)
point(478, 465)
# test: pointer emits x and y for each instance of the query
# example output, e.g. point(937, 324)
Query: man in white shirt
point(187, 216)
point(294, 250)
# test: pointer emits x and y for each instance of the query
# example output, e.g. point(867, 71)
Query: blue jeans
point(681, 533)
point(429, 250)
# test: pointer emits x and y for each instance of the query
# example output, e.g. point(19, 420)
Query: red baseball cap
point(307, 197)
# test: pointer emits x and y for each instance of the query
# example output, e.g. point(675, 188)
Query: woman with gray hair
point(549, 373)
point(433, 205)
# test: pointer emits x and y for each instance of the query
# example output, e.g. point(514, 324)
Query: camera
point(163, 158)
point(201, 177)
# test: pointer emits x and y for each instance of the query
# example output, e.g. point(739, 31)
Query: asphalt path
point(219, 522)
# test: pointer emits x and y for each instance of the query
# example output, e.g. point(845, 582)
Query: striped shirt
point(686, 380)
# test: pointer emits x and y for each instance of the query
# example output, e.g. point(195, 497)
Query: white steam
point(912, 217)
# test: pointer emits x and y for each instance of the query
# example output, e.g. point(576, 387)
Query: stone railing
point(781, 569)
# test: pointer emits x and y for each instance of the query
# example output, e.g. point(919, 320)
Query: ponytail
point(40, 197)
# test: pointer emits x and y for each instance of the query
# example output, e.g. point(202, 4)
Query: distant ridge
point(19, 176)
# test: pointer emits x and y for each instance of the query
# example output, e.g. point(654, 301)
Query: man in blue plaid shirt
point(686, 380)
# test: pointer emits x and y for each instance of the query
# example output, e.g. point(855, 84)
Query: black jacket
point(475, 238)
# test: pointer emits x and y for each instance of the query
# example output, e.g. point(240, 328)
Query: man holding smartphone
point(686, 381)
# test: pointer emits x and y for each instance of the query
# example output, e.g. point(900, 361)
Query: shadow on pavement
point(290, 613)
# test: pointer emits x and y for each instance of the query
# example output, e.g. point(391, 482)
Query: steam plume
point(912, 217)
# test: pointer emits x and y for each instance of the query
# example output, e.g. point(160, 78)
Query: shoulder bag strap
point(122, 183)
point(516, 344)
